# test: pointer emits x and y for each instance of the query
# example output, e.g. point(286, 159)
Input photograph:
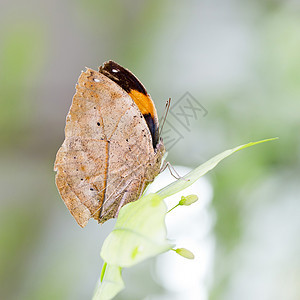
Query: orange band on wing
point(144, 103)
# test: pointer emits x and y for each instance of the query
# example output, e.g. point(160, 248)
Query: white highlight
point(115, 70)
point(96, 79)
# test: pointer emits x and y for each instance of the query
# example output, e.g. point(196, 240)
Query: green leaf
point(140, 233)
point(194, 175)
point(111, 283)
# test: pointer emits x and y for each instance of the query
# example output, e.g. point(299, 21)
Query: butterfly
point(112, 149)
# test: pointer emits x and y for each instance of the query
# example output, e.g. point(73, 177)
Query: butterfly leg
point(171, 170)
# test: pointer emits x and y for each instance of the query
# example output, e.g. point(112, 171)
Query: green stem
point(103, 271)
point(173, 208)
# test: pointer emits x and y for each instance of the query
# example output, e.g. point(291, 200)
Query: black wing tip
point(109, 65)
point(122, 76)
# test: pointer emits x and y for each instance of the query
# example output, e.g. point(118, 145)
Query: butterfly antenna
point(165, 116)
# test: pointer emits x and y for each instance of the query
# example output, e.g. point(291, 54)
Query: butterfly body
point(110, 152)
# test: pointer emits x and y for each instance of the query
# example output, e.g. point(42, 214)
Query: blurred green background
point(239, 59)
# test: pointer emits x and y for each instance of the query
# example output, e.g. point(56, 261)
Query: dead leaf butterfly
point(112, 149)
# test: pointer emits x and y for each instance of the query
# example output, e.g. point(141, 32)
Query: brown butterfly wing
point(107, 158)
